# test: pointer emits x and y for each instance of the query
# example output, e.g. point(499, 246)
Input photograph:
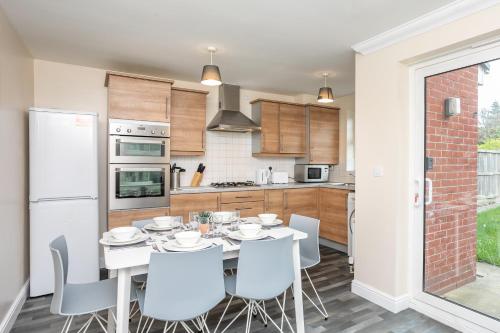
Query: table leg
point(297, 289)
point(112, 311)
point(123, 300)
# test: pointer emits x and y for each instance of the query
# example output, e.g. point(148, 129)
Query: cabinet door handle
point(167, 111)
point(286, 200)
point(243, 197)
point(247, 208)
point(203, 139)
point(218, 202)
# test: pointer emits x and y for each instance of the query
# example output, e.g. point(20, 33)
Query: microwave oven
point(311, 173)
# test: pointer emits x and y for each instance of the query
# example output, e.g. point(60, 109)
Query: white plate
point(116, 240)
point(275, 222)
point(238, 236)
point(174, 246)
point(154, 227)
point(107, 239)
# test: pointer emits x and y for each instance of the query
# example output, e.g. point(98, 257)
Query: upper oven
point(133, 141)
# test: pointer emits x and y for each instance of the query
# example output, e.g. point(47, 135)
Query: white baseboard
point(447, 318)
point(16, 306)
point(391, 303)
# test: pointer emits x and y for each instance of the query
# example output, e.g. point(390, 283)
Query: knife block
point(197, 177)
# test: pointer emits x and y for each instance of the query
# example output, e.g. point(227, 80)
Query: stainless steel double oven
point(139, 164)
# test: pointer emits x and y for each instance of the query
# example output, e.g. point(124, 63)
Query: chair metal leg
point(249, 316)
point(85, 325)
point(145, 324)
point(186, 327)
point(283, 314)
point(67, 324)
point(223, 313)
point(323, 312)
point(100, 323)
point(205, 327)
point(151, 324)
point(270, 319)
point(234, 319)
point(139, 324)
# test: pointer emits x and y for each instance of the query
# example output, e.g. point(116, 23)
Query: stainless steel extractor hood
point(229, 118)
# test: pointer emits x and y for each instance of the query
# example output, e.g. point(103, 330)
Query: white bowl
point(163, 221)
point(267, 218)
point(124, 233)
point(250, 229)
point(223, 216)
point(188, 238)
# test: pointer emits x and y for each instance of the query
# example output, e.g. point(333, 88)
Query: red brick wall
point(450, 225)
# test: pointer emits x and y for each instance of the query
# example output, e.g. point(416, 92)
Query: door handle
point(428, 199)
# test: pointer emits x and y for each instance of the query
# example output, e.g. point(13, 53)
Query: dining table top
point(120, 257)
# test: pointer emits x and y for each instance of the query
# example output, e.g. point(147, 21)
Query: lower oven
point(133, 186)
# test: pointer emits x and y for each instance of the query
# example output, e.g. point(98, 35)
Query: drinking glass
point(217, 224)
point(235, 221)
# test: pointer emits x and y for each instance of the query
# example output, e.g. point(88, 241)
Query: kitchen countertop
point(210, 189)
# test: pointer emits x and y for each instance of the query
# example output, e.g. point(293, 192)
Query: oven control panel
point(138, 128)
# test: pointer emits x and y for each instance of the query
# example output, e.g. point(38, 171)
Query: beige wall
point(76, 88)
point(383, 140)
point(16, 95)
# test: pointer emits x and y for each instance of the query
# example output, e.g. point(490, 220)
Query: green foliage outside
point(488, 236)
point(490, 144)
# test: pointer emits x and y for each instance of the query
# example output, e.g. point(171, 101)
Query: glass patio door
point(460, 175)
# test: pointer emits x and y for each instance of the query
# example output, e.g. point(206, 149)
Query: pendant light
point(325, 94)
point(211, 74)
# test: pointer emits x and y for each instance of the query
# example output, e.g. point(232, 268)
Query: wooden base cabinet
point(333, 214)
point(248, 203)
point(303, 201)
point(274, 202)
point(124, 218)
point(182, 204)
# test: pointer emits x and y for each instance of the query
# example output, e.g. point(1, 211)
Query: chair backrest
point(59, 251)
point(184, 285)
point(309, 247)
point(265, 268)
point(141, 223)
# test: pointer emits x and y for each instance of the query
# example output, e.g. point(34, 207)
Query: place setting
point(123, 236)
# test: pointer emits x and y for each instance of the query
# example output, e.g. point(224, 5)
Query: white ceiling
point(270, 45)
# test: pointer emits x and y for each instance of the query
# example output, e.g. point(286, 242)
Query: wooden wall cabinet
point(283, 130)
point(138, 97)
point(333, 214)
point(301, 201)
point(274, 202)
point(123, 218)
point(188, 121)
point(322, 135)
point(182, 204)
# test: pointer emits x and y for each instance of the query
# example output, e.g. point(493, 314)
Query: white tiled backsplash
point(228, 157)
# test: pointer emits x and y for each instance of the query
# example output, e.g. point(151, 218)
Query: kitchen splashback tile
point(228, 157)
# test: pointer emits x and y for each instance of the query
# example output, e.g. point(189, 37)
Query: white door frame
point(449, 313)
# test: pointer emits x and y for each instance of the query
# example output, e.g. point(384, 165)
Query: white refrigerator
point(63, 195)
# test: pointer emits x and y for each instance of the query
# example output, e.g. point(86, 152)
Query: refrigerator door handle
point(83, 197)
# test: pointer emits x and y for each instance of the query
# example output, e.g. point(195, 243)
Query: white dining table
point(125, 262)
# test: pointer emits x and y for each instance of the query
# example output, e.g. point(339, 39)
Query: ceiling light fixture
point(211, 74)
point(325, 94)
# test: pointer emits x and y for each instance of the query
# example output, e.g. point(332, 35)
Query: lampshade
point(325, 95)
point(211, 75)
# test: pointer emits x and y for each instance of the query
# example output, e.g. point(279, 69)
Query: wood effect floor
point(348, 312)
